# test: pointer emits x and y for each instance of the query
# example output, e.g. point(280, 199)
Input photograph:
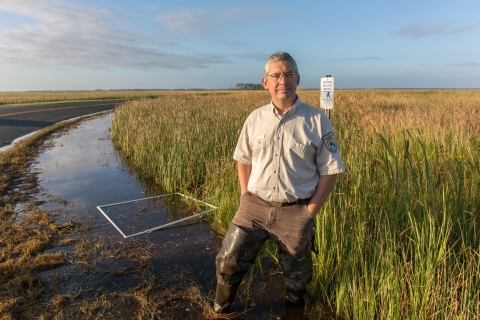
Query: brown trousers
point(291, 227)
point(255, 221)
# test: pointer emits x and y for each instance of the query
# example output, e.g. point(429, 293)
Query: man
point(288, 161)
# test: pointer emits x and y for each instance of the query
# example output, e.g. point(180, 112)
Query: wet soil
point(79, 170)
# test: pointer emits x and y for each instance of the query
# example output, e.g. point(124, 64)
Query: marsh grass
point(399, 236)
point(22, 97)
point(173, 297)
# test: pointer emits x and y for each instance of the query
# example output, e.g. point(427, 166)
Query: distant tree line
point(248, 86)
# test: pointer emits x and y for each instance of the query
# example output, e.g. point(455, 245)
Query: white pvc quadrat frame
point(201, 214)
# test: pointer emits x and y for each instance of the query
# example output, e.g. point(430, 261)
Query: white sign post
point(327, 93)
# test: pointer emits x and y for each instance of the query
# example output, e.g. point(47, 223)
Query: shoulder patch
point(330, 142)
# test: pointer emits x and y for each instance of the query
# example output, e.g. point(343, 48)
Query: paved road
point(17, 121)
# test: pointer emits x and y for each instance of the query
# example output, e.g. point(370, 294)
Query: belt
point(286, 204)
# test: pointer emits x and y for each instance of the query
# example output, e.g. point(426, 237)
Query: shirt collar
point(292, 110)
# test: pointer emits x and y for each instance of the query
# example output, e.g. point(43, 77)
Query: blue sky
point(146, 44)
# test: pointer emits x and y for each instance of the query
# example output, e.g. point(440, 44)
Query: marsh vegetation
point(12, 98)
point(399, 237)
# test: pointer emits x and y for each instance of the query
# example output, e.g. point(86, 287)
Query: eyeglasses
point(278, 76)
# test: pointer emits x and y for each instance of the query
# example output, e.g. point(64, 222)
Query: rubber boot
point(238, 253)
point(297, 272)
point(224, 297)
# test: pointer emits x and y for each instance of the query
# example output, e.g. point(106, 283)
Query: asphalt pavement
point(17, 121)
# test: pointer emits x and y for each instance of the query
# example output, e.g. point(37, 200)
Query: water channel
point(79, 170)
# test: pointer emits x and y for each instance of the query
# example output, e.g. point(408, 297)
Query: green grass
point(399, 236)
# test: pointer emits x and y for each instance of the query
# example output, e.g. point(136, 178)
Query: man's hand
point(244, 171)
point(324, 187)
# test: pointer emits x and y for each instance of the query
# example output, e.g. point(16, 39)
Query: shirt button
point(275, 171)
point(273, 188)
point(278, 138)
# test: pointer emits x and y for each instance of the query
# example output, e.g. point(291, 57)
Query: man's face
point(281, 81)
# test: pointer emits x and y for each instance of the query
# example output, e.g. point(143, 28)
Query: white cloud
point(189, 22)
point(415, 31)
point(195, 21)
point(73, 35)
point(466, 28)
point(467, 64)
point(372, 58)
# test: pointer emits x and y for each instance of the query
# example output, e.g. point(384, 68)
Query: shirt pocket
point(297, 154)
point(260, 147)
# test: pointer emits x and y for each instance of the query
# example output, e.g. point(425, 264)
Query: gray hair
point(279, 56)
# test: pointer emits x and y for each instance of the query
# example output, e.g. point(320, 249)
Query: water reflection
point(83, 170)
point(83, 167)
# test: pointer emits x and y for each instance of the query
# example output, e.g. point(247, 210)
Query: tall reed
point(398, 238)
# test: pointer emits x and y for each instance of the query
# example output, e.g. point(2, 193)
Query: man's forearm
point(244, 171)
point(324, 187)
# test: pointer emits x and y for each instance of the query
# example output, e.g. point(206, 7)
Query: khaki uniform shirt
point(287, 153)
